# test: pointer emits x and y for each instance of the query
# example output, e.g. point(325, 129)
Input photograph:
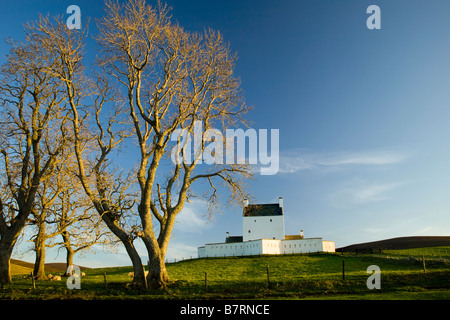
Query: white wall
point(265, 246)
point(266, 227)
point(271, 246)
point(301, 246)
point(329, 246)
point(201, 252)
point(230, 249)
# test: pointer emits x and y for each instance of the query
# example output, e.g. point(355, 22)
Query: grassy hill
point(19, 267)
point(398, 244)
point(265, 277)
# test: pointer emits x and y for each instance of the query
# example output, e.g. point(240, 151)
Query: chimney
point(280, 202)
point(245, 202)
point(228, 235)
point(301, 234)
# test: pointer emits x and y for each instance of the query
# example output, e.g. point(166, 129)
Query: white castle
point(263, 233)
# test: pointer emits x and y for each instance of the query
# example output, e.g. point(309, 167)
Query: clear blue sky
point(363, 114)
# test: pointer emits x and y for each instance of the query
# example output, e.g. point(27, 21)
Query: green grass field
point(431, 252)
point(290, 277)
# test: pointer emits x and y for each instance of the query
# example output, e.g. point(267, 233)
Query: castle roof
point(233, 239)
point(258, 210)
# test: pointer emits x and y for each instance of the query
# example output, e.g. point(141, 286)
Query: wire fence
point(433, 253)
point(218, 256)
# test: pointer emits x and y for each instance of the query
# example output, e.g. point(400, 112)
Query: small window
point(270, 220)
point(248, 231)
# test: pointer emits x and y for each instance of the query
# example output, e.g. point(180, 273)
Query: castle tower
point(263, 221)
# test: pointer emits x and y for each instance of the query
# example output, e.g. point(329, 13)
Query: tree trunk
point(69, 250)
point(39, 264)
point(39, 248)
point(139, 274)
point(69, 257)
point(5, 256)
point(8, 239)
point(157, 277)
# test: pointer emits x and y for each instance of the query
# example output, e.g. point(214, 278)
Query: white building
point(263, 233)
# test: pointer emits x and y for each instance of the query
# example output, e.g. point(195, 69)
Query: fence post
point(424, 266)
point(32, 280)
point(104, 278)
point(343, 269)
point(206, 282)
point(268, 277)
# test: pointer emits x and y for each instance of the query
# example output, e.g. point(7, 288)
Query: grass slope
point(19, 267)
point(290, 277)
point(399, 244)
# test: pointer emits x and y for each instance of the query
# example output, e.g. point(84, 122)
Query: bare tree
point(31, 136)
point(96, 135)
point(172, 79)
point(62, 209)
point(79, 226)
point(40, 220)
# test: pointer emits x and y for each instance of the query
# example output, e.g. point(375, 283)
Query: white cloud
point(193, 217)
point(373, 193)
point(362, 194)
point(299, 160)
point(426, 230)
point(180, 251)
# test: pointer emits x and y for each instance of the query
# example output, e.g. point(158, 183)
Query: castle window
point(270, 220)
point(248, 231)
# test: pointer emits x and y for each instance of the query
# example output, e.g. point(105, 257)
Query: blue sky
point(363, 114)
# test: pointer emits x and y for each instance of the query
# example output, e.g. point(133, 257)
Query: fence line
point(442, 254)
point(434, 254)
point(175, 260)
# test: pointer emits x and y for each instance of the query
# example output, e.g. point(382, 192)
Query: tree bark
point(39, 248)
point(139, 279)
point(39, 264)
point(69, 250)
point(157, 277)
point(69, 257)
point(8, 239)
point(5, 256)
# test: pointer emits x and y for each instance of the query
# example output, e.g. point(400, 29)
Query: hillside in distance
point(23, 267)
point(398, 244)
